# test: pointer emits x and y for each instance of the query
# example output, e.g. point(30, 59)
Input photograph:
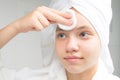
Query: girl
point(77, 54)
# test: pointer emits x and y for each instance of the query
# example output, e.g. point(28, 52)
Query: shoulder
point(27, 73)
point(113, 77)
point(7, 74)
point(24, 74)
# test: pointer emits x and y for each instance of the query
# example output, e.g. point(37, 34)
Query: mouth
point(73, 59)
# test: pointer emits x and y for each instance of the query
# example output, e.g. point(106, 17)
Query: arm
point(36, 20)
point(7, 33)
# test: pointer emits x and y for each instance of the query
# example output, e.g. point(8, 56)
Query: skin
point(78, 49)
point(36, 20)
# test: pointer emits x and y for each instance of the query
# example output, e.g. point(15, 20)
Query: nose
point(72, 45)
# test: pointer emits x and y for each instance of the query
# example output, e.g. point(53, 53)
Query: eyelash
point(60, 35)
point(83, 35)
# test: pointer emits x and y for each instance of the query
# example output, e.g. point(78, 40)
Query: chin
point(75, 70)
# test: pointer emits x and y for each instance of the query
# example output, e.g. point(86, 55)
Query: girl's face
point(78, 49)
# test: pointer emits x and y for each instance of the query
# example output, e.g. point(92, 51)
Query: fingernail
point(68, 14)
point(70, 22)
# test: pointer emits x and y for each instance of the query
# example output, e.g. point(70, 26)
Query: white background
point(24, 49)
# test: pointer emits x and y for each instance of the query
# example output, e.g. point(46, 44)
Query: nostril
point(72, 50)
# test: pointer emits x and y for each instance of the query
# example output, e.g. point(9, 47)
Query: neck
point(86, 75)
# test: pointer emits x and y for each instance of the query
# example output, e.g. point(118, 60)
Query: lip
point(73, 59)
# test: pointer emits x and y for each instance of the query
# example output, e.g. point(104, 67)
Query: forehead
point(82, 22)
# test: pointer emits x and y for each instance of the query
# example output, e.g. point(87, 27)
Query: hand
point(40, 18)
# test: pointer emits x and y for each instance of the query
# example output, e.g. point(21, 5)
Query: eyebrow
point(79, 28)
point(83, 27)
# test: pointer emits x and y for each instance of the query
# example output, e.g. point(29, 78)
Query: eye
point(61, 35)
point(84, 34)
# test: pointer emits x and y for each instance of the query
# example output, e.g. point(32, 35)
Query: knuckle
point(37, 29)
point(38, 8)
point(35, 12)
point(56, 18)
point(47, 24)
point(33, 15)
point(42, 8)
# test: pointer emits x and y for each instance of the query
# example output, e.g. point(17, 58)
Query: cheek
point(60, 48)
point(92, 49)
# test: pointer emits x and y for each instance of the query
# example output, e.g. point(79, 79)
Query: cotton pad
point(64, 27)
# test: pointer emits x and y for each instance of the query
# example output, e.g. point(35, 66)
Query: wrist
point(15, 27)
